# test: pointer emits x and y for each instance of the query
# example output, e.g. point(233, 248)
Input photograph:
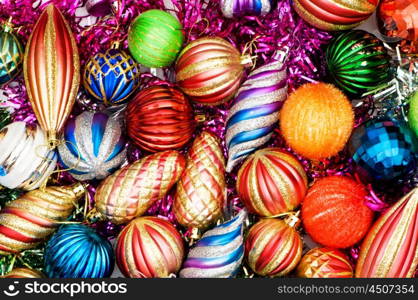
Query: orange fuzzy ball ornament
point(316, 120)
point(334, 212)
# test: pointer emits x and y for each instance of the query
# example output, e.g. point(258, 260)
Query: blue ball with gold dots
point(111, 77)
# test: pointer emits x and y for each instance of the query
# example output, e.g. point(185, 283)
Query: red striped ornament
point(149, 247)
point(273, 248)
point(130, 191)
point(30, 219)
point(200, 193)
point(271, 182)
point(390, 248)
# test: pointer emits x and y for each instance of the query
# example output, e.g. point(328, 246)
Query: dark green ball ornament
point(358, 62)
point(155, 38)
point(11, 55)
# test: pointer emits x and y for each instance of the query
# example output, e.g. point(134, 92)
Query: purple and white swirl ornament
point(255, 111)
point(219, 253)
point(238, 8)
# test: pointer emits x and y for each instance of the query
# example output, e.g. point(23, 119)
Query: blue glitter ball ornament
point(384, 150)
point(111, 77)
point(93, 146)
point(77, 251)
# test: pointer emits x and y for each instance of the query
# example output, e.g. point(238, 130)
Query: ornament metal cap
point(78, 189)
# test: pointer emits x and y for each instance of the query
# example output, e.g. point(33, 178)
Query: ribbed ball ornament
point(77, 251)
point(273, 248)
point(149, 247)
point(160, 118)
point(111, 76)
point(357, 62)
point(324, 263)
point(11, 55)
point(25, 158)
point(209, 70)
point(93, 146)
point(155, 38)
point(23, 273)
point(271, 182)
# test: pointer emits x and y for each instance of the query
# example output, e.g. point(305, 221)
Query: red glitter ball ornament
point(334, 212)
point(160, 118)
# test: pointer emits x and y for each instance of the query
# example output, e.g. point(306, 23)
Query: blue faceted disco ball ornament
point(384, 150)
point(111, 77)
point(77, 251)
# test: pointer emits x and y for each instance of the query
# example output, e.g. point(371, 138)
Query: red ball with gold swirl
point(149, 247)
point(324, 263)
point(209, 70)
point(160, 118)
point(130, 191)
point(23, 273)
point(271, 182)
point(273, 248)
point(390, 248)
point(333, 15)
point(200, 193)
point(30, 219)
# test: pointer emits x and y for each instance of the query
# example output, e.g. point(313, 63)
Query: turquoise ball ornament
point(11, 55)
point(384, 150)
point(155, 38)
point(77, 251)
point(111, 77)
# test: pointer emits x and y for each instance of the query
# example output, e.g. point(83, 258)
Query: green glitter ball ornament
point(155, 38)
point(413, 113)
point(11, 55)
point(358, 62)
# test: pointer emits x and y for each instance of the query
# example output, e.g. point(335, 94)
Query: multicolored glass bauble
point(155, 38)
point(77, 251)
point(334, 15)
point(384, 149)
point(358, 62)
point(11, 55)
point(219, 253)
point(239, 8)
point(111, 77)
point(255, 111)
point(93, 146)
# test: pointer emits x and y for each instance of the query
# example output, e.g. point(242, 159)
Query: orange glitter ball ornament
point(316, 120)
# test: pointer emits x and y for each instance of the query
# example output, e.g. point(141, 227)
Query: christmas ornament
point(334, 212)
point(271, 182)
point(239, 8)
point(77, 251)
point(219, 253)
point(28, 220)
point(23, 273)
point(316, 120)
point(273, 248)
point(111, 77)
point(200, 192)
point(11, 54)
point(397, 21)
point(98, 8)
point(160, 118)
point(334, 15)
point(93, 146)
point(383, 150)
point(51, 68)
point(255, 111)
point(155, 38)
point(130, 191)
point(390, 248)
point(149, 247)
point(413, 113)
point(324, 263)
point(25, 159)
point(358, 62)
point(209, 70)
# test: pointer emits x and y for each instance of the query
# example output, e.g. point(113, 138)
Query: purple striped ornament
point(255, 111)
point(238, 8)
